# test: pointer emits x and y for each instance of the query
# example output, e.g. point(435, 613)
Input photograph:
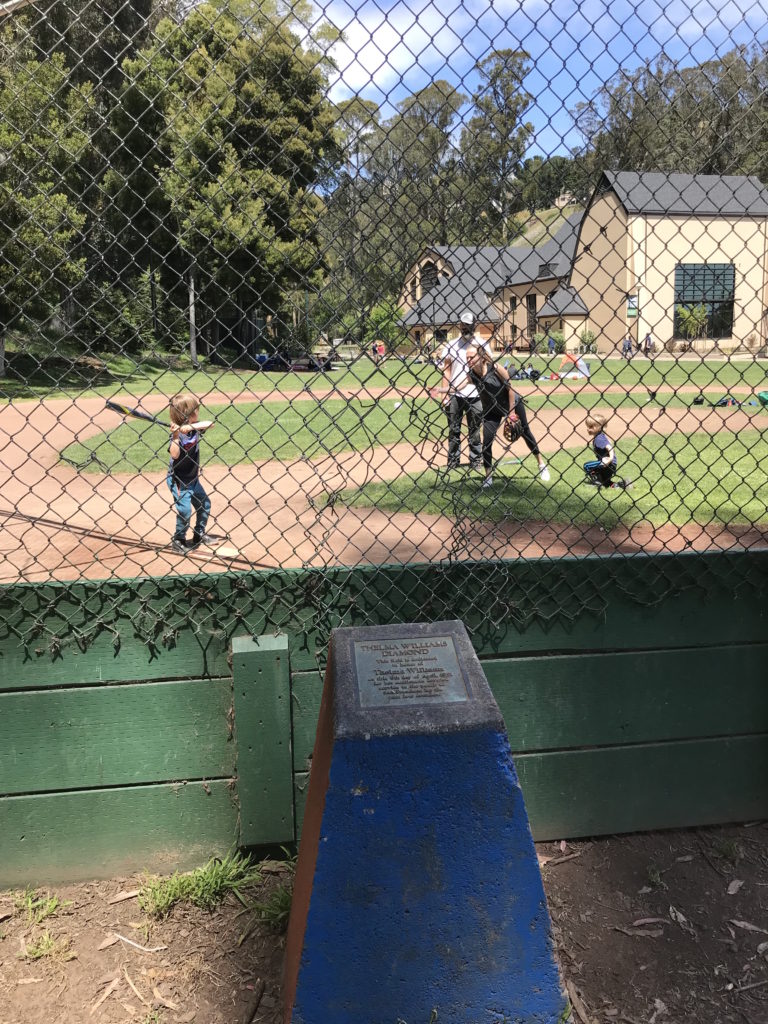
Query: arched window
point(429, 277)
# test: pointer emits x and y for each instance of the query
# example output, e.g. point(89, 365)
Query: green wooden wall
point(143, 726)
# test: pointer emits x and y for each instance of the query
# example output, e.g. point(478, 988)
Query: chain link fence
point(290, 286)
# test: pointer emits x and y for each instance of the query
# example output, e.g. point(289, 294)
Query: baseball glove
point(513, 428)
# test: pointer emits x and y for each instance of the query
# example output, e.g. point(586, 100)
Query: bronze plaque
point(396, 673)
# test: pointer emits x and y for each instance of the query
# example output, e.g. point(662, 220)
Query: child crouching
point(602, 469)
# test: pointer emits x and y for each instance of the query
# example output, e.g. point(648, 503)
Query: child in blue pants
point(184, 474)
point(602, 469)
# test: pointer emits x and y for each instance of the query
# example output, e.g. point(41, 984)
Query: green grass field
point(252, 432)
point(677, 479)
point(33, 373)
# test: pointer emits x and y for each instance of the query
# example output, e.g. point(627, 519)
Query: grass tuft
point(205, 887)
point(46, 947)
point(39, 907)
point(276, 910)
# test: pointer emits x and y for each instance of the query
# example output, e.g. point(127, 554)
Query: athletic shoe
point(180, 545)
point(545, 474)
point(488, 482)
point(591, 481)
point(202, 538)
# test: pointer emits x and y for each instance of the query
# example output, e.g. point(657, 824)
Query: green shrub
point(587, 342)
point(559, 342)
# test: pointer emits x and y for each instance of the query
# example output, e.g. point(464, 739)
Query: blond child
point(184, 473)
point(602, 469)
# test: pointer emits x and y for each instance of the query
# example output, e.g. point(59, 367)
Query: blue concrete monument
point(417, 887)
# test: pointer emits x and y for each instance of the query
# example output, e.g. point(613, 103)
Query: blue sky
point(393, 49)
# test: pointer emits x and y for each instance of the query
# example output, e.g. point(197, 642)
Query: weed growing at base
point(205, 887)
point(37, 908)
point(48, 947)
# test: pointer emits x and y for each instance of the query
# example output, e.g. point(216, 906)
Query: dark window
point(428, 278)
point(513, 304)
point(546, 270)
point(531, 303)
point(417, 337)
point(514, 332)
point(711, 285)
point(413, 289)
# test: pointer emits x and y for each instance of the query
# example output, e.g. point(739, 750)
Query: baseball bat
point(127, 410)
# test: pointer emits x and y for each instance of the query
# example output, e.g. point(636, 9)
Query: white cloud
point(410, 43)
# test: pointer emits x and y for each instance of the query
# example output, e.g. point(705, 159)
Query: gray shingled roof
point(557, 252)
point(711, 195)
point(566, 301)
point(479, 271)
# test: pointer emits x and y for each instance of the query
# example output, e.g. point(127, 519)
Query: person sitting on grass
point(602, 469)
point(499, 401)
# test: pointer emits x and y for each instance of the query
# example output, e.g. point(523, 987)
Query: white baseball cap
point(467, 319)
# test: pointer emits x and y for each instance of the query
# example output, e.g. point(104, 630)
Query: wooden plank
point(263, 731)
point(564, 701)
point(90, 737)
point(67, 837)
point(65, 634)
point(300, 791)
point(306, 693)
point(177, 626)
point(649, 786)
point(570, 604)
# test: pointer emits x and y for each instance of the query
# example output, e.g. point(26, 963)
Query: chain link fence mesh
point(408, 284)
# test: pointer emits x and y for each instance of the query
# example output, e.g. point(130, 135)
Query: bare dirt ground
point(654, 928)
point(62, 524)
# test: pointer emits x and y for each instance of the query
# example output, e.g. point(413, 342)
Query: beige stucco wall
point(572, 328)
point(600, 270)
point(659, 243)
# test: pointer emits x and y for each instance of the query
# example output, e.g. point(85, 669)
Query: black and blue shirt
point(602, 446)
point(186, 469)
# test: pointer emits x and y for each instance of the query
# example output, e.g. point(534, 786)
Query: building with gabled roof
point(647, 244)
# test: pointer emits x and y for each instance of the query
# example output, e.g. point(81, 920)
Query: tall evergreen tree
point(44, 134)
point(233, 134)
point(494, 141)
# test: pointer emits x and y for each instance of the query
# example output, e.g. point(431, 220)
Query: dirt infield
point(61, 524)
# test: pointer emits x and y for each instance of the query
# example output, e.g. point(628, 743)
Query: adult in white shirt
point(461, 396)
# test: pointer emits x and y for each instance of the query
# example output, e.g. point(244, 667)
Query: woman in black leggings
point(498, 397)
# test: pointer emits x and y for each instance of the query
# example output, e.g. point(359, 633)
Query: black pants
point(600, 472)
point(491, 428)
point(456, 409)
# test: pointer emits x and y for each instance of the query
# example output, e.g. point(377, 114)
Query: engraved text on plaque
point(395, 673)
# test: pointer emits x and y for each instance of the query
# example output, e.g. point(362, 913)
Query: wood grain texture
point(263, 733)
point(635, 788)
point(300, 791)
point(105, 832)
point(306, 694)
point(552, 703)
point(90, 737)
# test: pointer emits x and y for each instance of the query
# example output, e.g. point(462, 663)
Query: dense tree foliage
point(162, 158)
point(707, 119)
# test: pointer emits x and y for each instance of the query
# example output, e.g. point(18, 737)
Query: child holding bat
point(184, 473)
